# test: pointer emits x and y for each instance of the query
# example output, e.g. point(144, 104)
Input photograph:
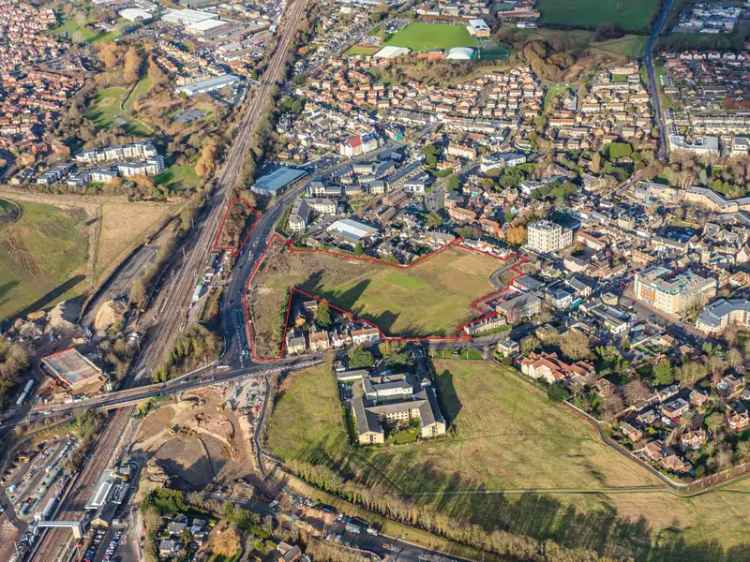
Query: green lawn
point(109, 108)
point(429, 36)
point(513, 461)
point(362, 51)
point(629, 15)
point(178, 177)
point(432, 298)
point(41, 256)
point(82, 33)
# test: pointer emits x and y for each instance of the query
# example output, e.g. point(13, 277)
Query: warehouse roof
point(352, 230)
point(277, 180)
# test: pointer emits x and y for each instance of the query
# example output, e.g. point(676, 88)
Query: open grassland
point(124, 225)
point(431, 298)
point(42, 257)
point(630, 46)
point(109, 109)
point(428, 36)
point(629, 15)
point(513, 461)
point(178, 177)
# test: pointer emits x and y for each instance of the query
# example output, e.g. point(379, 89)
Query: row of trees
point(14, 360)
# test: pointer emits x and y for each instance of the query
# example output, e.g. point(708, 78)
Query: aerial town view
point(375, 280)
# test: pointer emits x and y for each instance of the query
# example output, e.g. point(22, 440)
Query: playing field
point(429, 36)
point(42, 257)
point(513, 461)
point(431, 298)
point(629, 15)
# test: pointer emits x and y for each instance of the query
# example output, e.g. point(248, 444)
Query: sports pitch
point(430, 36)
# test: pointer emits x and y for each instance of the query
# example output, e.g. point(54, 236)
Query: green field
point(360, 50)
point(82, 33)
point(112, 107)
point(630, 46)
point(178, 177)
point(429, 36)
point(629, 15)
point(513, 461)
point(42, 257)
point(431, 298)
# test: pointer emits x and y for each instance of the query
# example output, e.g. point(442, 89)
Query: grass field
point(361, 50)
point(629, 15)
point(431, 298)
point(109, 109)
point(41, 255)
point(542, 471)
point(81, 33)
point(178, 177)
point(123, 225)
point(428, 36)
point(630, 46)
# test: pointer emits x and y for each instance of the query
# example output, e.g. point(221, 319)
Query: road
point(653, 86)
point(127, 397)
point(173, 301)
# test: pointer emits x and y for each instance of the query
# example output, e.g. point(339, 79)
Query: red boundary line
point(478, 305)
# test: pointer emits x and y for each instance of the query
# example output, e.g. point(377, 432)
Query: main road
point(653, 86)
point(176, 291)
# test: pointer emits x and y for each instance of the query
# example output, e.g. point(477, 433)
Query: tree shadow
point(6, 288)
point(450, 404)
point(51, 296)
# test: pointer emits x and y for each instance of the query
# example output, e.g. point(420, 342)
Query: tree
point(360, 358)
point(635, 391)
point(137, 293)
point(323, 314)
point(662, 372)
point(716, 365)
point(434, 220)
point(528, 344)
point(453, 183)
point(557, 392)
point(109, 55)
point(734, 358)
point(575, 345)
point(359, 249)
point(691, 372)
point(155, 73)
point(206, 163)
point(596, 163)
point(515, 235)
point(131, 70)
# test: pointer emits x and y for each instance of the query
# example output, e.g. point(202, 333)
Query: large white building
point(722, 313)
point(673, 293)
point(546, 236)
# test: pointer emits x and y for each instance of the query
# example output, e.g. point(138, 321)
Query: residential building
point(299, 216)
point(673, 293)
point(720, 314)
point(545, 236)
